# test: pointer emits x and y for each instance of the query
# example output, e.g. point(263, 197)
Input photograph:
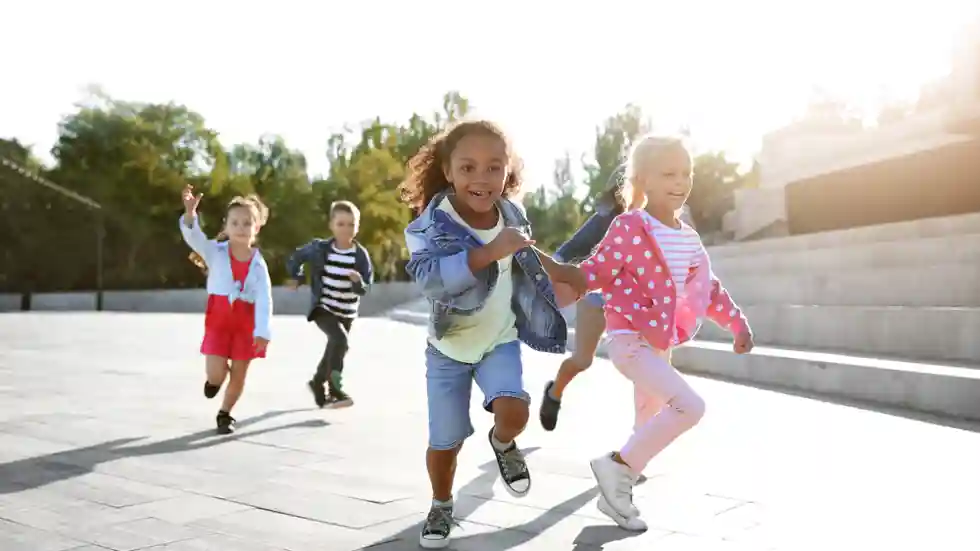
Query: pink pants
point(666, 406)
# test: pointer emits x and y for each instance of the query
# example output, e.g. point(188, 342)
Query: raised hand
point(191, 201)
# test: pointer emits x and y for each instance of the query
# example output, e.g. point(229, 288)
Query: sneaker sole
point(340, 405)
point(433, 544)
point(605, 508)
point(599, 486)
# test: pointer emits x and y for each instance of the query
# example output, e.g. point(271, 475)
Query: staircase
point(887, 314)
point(884, 314)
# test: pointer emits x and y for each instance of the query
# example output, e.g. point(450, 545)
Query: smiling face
point(478, 167)
point(241, 225)
point(667, 179)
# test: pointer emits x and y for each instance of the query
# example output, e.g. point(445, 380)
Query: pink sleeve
point(723, 310)
point(601, 268)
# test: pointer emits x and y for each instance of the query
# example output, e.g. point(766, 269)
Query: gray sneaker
point(437, 528)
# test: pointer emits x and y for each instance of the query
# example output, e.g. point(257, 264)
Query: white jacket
point(257, 288)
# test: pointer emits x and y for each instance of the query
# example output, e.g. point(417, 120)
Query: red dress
point(229, 327)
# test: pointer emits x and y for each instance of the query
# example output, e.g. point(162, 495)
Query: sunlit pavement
point(106, 442)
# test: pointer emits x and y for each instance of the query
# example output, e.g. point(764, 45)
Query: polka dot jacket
point(629, 267)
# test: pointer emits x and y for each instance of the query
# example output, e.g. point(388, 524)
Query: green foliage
point(134, 159)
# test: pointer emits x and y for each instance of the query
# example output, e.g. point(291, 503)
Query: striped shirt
point(338, 296)
point(679, 246)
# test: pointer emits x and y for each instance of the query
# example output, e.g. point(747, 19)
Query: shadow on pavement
point(591, 538)
point(34, 472)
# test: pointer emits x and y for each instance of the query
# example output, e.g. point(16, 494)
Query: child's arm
point(297, 261)
point(366, 271)
point(442, 277)
point(190, 230)
point(584, 241)
point(263, 303)
point(601, 268)
point(722, 308)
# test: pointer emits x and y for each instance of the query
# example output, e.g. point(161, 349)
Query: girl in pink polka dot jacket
point(657, 284)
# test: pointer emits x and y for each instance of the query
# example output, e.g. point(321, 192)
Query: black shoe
point(319, 395)
point(210, 391)
point(549, 409)
point(437, 527)
point(513, 468)
point(338, 399)
point(226, 423)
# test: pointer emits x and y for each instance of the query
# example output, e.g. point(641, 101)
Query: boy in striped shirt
point(340, 274)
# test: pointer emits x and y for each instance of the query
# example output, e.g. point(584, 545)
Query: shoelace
point(440, 520)
point(513, 464)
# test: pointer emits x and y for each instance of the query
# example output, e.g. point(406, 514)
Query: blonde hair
point(643, 154)
point(258, 210)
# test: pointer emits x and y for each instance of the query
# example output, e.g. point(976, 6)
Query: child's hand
point(260, 344)
point(508, 242)
point(743, 342)
point(573, 276)
point(355, 276)
point(565, 295)
point(190, 199)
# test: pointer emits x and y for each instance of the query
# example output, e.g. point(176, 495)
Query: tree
point(553, 210)
point(713, 194)
point(612, 142)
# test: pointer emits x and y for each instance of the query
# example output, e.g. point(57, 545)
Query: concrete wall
point(382, 297)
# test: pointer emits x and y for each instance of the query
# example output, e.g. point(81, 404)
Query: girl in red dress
point(236, 325)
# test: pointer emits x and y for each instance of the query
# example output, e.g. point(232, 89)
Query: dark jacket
point(315, 253)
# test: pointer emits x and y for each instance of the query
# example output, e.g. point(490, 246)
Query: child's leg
point(236, 384)
point(500, 376)
point(653, 375)
point(448, 386)
point(338, 347)
point(216, 369)
point(590, 323)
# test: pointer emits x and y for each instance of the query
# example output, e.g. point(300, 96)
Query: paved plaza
point(107, 443)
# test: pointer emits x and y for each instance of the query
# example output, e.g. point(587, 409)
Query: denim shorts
point(449, 383)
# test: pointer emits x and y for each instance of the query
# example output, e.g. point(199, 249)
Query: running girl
point(236, 323)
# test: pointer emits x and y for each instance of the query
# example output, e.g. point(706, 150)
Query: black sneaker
point(513, 469)
point(226, 423)
point(437, 527)
point(210, 391)
point(549, 409)
point(338, 399)
point(319, 395)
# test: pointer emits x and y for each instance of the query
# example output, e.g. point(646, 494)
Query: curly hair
point(426, 170)
point(258, 211)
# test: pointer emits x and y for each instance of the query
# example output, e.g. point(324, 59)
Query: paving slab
point(107, 443)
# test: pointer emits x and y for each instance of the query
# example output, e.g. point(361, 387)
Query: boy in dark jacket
point(340, 274)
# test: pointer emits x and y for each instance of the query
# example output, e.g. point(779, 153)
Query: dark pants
point(331, 367)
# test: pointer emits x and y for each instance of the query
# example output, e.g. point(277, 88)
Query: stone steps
point(944, 389)
point(953, 284)
point(901, 231)
point(918, 252)
point(917, 333)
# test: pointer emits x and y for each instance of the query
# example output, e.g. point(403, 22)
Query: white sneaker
point(615, 483)
point(633, 524)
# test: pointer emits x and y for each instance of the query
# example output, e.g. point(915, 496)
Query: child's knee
point(510, 412)
point(691, 406)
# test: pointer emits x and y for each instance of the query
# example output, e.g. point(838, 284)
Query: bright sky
point(548, 71)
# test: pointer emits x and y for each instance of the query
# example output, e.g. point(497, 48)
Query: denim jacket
point(315, 253)
point(439, 248)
